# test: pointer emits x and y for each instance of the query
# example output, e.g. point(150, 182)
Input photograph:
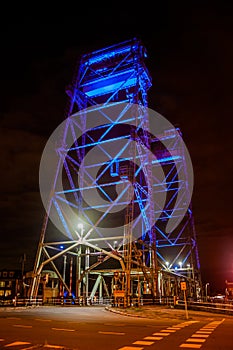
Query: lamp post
point(81, 228)
point(64, 275)
point(78, 265)
point(206, 290)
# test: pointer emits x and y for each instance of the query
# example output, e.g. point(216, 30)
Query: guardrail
point(22, 302)
point(77, 301)
point(224, 307)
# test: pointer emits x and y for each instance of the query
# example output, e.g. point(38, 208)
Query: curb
point(123, 313)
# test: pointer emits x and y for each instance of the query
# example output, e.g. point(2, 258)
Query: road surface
point(95, 328)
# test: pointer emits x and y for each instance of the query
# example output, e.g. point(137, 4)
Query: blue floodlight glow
point(109, 84)
point(117, 74)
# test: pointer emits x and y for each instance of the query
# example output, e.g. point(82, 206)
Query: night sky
point(190, 59)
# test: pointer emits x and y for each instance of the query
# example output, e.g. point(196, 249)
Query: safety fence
point(223, 307)
point(22, 302)
point(83, 301)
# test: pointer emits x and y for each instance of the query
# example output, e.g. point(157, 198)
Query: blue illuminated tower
point(107, 106)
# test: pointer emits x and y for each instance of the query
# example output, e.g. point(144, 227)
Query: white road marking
point(204, 332)
point(53, 346)
point(208, 328)
point(42, 319)
point(16, 343)
point(63, 329)
point(196, 340)
point(200, 335)
point(153, 338)
point(176, 328)
point(143, 342)
point(115, 325)
point(31, 347)
point(114, 333)
point(130, 348)
point(190, 346)
point(21, 326)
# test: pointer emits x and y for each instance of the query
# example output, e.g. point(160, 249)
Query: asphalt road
point(95, 328)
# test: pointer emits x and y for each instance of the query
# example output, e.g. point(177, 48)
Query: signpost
point(184, 288)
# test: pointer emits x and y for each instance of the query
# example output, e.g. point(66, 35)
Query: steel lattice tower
point(115, 81)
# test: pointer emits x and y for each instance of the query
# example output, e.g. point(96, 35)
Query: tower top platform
point(117, 67)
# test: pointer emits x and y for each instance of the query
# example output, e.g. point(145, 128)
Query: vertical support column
point(78, 272)
point(87, 265)
point(154, 267)
point(71, 276)
point(101, 289)
point(64, 274)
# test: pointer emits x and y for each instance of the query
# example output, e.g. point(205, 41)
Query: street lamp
point(80, 231)
point(78, 264)
point(80, 225)
point(206, 290)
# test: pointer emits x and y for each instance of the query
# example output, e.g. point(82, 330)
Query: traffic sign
point(183, 285)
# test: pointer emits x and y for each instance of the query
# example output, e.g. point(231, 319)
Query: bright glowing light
point(80, 226)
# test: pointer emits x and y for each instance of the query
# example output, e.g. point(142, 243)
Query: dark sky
point(190, 60)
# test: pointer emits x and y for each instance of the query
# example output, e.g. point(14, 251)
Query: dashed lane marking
point(112, 333)
point(53, 346)
point(63, 329)
point(130, 348)
point(42, 320)
point(21, 326)
point(115, 325)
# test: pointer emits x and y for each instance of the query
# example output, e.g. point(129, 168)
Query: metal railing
point(223, 307)
point(22, 302)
